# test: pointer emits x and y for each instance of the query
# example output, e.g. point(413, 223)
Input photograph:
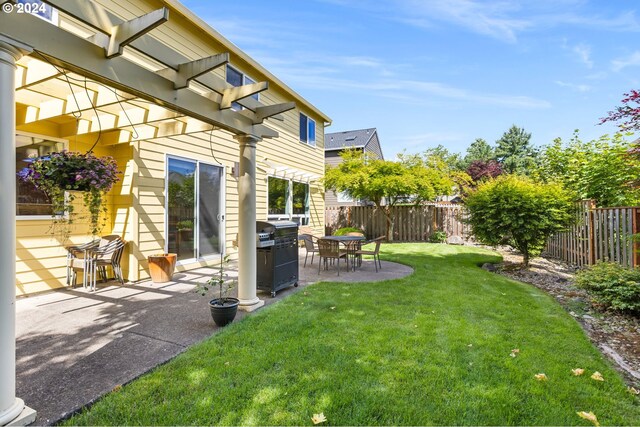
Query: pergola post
point(12, 409)
point(247, 255)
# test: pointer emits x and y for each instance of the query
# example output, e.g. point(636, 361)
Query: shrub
point(520, 212)
point(612, 286)
point(345, 230)
point(438, 237)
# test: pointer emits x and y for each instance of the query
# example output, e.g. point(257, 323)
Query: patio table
point(351, 243)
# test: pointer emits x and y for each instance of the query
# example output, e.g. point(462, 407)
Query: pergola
point(102, 76)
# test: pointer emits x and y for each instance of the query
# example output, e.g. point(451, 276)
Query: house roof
point(348, 139)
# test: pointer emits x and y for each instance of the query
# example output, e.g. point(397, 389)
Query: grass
point(432, 348)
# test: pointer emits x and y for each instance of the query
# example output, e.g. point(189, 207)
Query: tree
point(514, 152)
point(520, 212)
point(604, 169)
point(453, 161)
point(481, 169)
point(479, 150)
point(628, 113)
point(386, 183)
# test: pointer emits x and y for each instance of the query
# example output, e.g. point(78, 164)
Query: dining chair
point(330, 250)
point(97, 259)
point(375, 252)
point(309, 246)
point(77, 257)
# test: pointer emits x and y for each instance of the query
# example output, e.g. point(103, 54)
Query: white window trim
point(315, 127)
point(196, 236)
point(43, 217)
point(289, 206)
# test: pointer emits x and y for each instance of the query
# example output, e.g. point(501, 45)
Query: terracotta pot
point(161, 267)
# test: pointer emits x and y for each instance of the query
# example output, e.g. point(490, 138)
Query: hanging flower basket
point(59, 175)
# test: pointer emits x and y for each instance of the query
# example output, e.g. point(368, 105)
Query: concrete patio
point(73, 345)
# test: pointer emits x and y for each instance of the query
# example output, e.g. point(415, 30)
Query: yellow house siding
point(137, 203)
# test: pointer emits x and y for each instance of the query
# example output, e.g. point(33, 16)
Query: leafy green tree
point(519, 212)
point(453, 161)
point(515, 153)
point(479, 150)
point(601, 169)
point(387, 183)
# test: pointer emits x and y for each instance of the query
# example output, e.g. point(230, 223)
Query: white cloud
point(584, 54)
point(629, 61)
point(573, 86)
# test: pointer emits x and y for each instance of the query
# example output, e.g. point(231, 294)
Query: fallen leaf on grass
point(318, 418)
point(332, 308)
point(597, 376)
point(470, 345)
point(590, 416)
point(514, 352)
point(541, 377)
point(577, 372)
point(633, 390)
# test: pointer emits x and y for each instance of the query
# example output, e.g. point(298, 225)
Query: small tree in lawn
point(520, 212)
point(386, 183)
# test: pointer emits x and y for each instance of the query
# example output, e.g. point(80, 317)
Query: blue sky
point(444, 71)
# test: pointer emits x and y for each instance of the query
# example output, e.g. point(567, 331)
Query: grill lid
point(274, 225)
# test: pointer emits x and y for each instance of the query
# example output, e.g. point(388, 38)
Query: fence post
point(636, 245)
point(592, 237)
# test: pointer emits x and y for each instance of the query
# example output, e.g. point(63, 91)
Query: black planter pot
point(224, 314)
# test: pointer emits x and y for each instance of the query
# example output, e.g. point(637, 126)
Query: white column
point(11, 408)
point(247, 257)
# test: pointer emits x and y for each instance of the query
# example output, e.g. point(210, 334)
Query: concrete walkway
point(73, 346)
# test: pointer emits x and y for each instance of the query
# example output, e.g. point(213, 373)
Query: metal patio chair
point(375, 252)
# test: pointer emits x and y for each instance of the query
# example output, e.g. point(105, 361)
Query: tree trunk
point(390, 223)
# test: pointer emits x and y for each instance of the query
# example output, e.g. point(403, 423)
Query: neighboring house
point(365, 140)
point(181, 109)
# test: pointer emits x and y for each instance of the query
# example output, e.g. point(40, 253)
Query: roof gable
point(348, 139)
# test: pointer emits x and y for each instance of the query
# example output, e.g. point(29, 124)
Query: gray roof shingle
point(348, 139)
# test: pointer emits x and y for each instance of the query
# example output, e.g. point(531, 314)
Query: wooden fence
point(411, 223)
point(600, 234)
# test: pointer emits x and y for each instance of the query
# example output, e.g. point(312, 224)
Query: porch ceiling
point(95, 74)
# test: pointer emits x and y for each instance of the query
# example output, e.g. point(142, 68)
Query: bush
point(520, 212)
point(438, 237)
point(612, 286)
point(345, 230)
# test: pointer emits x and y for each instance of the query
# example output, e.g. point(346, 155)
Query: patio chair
point(77, 256)
point(309, 246)
point(108, 252)
point(375, 252)
point(330, 250)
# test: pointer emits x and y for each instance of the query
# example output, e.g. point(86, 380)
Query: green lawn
point(432, 348)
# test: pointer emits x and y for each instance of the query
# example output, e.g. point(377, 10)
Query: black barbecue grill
point(277, 259)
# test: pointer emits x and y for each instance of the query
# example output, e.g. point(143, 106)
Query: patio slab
point(73, 346)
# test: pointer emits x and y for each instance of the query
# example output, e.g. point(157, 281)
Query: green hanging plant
point(61, 174)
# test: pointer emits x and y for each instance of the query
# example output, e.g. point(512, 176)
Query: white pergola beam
point(232, 94)
point(83, 57)
point(190, 70)
point(102, 20)
point(273, 111)
point(122, 34)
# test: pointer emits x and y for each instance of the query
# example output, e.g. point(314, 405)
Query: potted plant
point(161, 267)
point(224, 308)
point(60, 175)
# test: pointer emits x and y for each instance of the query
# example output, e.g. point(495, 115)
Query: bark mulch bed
point(616, 335)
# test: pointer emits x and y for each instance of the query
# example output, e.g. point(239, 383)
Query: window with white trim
point(288, 199)
point(236, 78)
point(307, 130)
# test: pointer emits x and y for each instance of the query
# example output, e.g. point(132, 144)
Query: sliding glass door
point(195, 209)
